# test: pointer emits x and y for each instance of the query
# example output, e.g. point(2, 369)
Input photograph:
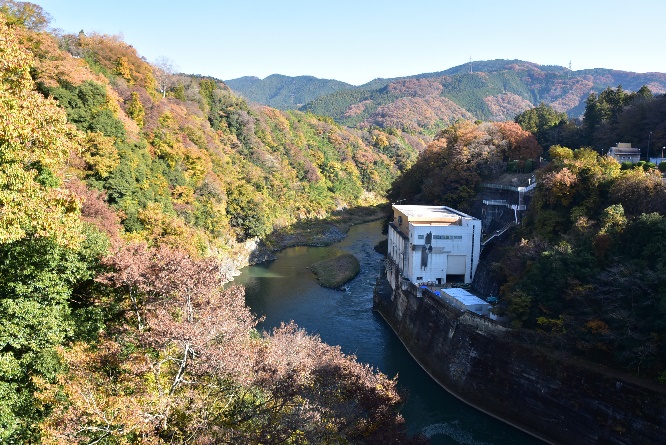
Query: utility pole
point(647, 153)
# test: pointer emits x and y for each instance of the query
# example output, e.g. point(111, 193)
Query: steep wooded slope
point(118, 207)
point(203, 159)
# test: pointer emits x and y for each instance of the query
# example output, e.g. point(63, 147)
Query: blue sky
point(357, 41)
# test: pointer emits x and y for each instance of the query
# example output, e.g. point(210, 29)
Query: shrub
point(336, 271)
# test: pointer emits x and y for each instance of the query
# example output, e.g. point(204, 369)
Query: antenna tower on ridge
point(470, 64)
point(569, 73)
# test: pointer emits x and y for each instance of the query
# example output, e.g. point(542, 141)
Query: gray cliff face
point(486, 279)
point(551, 396)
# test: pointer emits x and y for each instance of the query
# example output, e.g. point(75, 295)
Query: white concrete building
point(436, 245)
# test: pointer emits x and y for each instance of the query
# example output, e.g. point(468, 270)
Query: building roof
point(398, 231)
point(463, 296)
point(623, 150)
point(417, 213)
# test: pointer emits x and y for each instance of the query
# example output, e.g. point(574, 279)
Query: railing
point(510, 187)
point(495, 202)
point(497, 233)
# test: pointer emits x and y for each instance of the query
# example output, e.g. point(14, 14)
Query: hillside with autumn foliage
point(125, 193)
point(582, 273)
point(494, 90)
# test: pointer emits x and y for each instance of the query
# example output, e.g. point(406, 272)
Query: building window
point(421, 236)
point(419, 278)
point(446, 237)
point(399, 220)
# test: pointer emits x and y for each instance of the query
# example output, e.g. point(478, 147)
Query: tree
point(164, 70)
point(202, 372)
point(36, 141)
point(45, 249)
point(521, 144)
point(88, 108)
point(135, 109)
point(542, 121)
point(639, 191)
point(604, 108)
point(644, 93)
point(453, 165)
point(247, 212)
point(26, 14)
point(123, 69)
point(540, 118)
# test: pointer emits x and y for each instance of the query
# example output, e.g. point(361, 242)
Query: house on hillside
point(624, 152)
point(434, 244)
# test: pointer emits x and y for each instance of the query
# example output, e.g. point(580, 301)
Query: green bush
point(336, 271)
point(87, 108)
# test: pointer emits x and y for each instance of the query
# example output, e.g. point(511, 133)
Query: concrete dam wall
point(550, 395)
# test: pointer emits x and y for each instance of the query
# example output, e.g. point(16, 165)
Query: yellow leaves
point(198, 164)
point(33, 128)
point(278, 118)
point(336, 140)
point(560, 186)
point(96, 404)
point(165, 146)
point(33, 131)
point(610, 167)
point(14, 61)
point(27, 208)
point(183, 194)
point(560, 153)
point(169, 230)
point(114, 55)
point(53, 66)
point(551, 324)
point(123, 69)
point(135, 109)
point(380, 140)
point(100, 154)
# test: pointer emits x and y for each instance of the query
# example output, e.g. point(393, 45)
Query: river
point(284, 290)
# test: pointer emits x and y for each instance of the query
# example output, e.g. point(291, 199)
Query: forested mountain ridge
point(123, 190)
point(284, 92)
point(494, 90)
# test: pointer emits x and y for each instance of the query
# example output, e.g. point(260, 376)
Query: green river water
point(284, 290)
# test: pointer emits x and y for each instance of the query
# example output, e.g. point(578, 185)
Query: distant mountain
point(493, 90)
point(284, 92)
point(487, 90)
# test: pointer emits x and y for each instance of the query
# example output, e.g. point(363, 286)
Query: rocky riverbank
point(324, 232)
point(319, 232)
